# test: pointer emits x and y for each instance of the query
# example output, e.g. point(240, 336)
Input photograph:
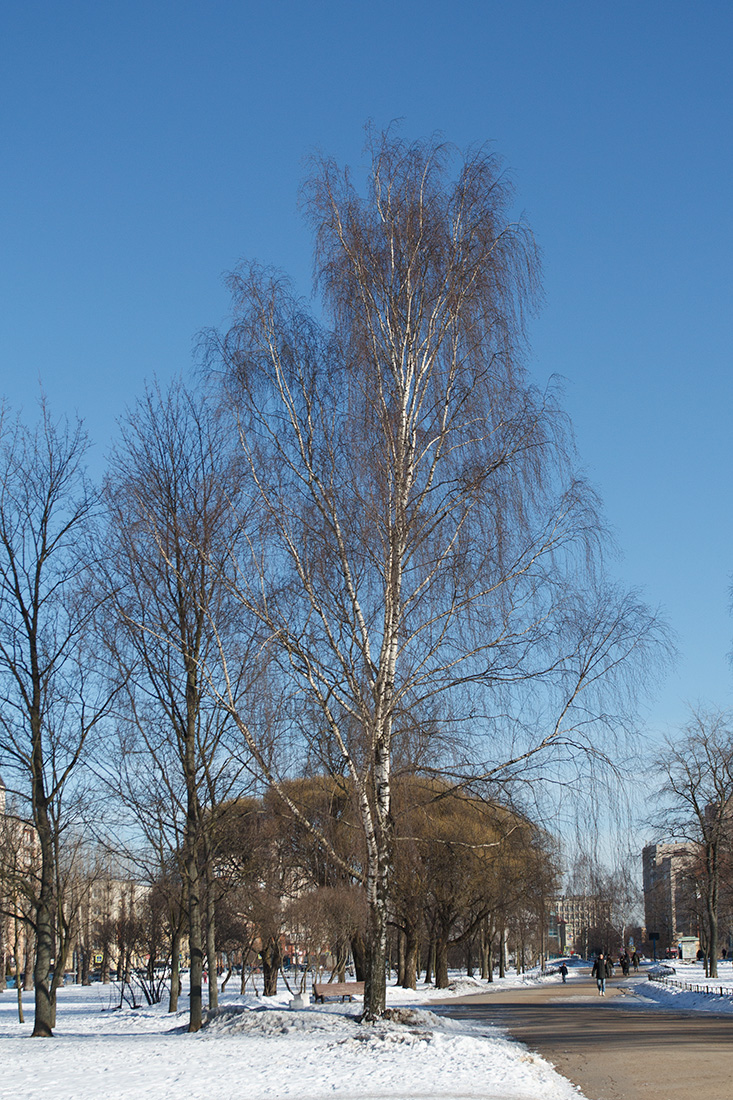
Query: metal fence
point(692, 987)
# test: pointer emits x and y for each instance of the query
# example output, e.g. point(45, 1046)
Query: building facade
point(19, 867)
point(579, 924)
point(669, 903)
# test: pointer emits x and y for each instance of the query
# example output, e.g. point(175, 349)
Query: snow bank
point(671, 994)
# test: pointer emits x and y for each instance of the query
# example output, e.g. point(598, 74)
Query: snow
point(673, 995)
point(254, 1049)
point(257, 1049)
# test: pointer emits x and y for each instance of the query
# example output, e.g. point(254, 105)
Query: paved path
point(615, 1047)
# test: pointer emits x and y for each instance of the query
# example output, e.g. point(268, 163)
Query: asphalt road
point(615, 1047)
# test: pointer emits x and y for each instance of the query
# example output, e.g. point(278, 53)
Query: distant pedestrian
point(600, 973)
point(563, 972)
point(635, 962)
point(625, 965)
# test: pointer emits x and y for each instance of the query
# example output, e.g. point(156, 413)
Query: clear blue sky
point(146, 147)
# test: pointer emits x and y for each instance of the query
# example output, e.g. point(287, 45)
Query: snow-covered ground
point(672, 993)
point(254, 1049)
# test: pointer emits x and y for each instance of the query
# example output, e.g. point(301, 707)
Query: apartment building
point(669, 907)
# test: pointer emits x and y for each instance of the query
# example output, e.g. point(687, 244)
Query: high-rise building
point(668, 895)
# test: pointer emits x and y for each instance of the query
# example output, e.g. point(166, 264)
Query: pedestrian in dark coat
point(563, 972)
point(600, 973)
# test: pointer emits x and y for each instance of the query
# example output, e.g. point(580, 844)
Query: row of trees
point(362, 551)
point(469, 879)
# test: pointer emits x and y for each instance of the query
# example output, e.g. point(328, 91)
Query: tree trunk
point(230, 970)
point(18, 983)
point(105, 964)
point(45, 942)
point(272, 958)
point(441, 961)
point(713, 943)
point(175, 989)
point(27, 971)
point(359, 956)
point(85, 968)
point(3, 956)
point(379, 835)
point(430, 965)
point(193, 887)
point(375, 986)
point(192, 849)
point(712, 908)
point(211, 948)
point(484, 949)
point(342, 958)
point(411, 950)
point(401, 958)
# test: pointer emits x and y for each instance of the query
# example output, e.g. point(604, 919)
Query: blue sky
point(146, 147)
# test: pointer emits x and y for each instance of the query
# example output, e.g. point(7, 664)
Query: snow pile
point(267, 1022)
point(461, 987)
point(409, 1053)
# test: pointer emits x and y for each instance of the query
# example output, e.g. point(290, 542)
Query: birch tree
point(423, 546)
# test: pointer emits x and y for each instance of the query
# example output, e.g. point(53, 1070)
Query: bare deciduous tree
point(172, 532)
point(698, 805)
point(422, 544)
point(50, 697)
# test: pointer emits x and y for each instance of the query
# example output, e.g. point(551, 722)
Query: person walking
point(563, 972)
point(600, 973)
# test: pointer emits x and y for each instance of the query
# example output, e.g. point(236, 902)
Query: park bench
point(321, 990)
